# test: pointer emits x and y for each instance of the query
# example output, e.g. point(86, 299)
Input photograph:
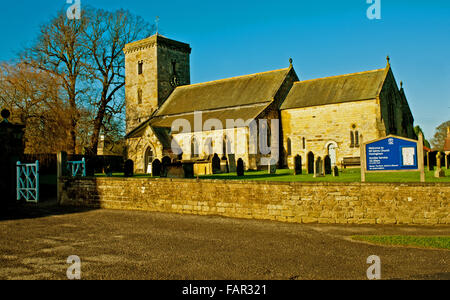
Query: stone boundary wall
point(330, 203)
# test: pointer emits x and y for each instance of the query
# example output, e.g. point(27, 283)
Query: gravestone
point(188, 168)
point(128, 168)
point(156, 168)
point(224, 165)
point(298, 165)
point(215, 161)
point(335, 171)
point(318, 170)
point(240, 167)
point(311, 163)
point(272, 167)
point(231, 163)
point(165, 162)
point(439, 173)
point(327, 163)
point(175, 170)
point(442, 159)
point(431, 160)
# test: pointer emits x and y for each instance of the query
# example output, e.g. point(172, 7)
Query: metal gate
point(77, 168)
point(28, 182)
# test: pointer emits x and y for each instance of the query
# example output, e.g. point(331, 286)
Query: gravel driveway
point(36, 242)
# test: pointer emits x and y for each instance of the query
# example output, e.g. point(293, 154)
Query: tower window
point(139, 96)
point(304, 143)
point(140, 67)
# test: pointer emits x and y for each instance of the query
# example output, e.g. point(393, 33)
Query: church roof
point(337, 89)
point(224, 93)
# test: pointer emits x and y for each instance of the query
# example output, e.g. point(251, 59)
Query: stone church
point(320, 119)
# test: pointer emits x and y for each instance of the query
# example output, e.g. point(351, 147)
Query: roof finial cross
point(157, 24)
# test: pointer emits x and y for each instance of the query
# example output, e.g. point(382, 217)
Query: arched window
point(352, 139)
point(289, 147)
point(224, 146)
point(356, 139)
point(140, 67)
point(209, 146)
point(194, 148)
point(148, 159)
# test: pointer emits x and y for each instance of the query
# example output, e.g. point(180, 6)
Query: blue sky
point(324, 38)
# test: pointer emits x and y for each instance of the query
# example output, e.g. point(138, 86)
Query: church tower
point(154, 67)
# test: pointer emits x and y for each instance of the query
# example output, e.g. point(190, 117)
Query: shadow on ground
point(48, 207)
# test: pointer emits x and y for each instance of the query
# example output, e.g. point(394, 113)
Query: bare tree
point(34, 98)
point(59, 51)
point(105, 37)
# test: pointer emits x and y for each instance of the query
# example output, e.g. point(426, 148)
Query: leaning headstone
point(156, 168)
point(128, 168)
point(335, 171)
point(240, 167)
point(298, 165)
point(439, 173)
point(272, 167)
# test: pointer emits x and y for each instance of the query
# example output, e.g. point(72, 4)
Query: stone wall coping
point(261, 182)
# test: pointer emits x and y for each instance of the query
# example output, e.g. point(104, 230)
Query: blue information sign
point(391, 154)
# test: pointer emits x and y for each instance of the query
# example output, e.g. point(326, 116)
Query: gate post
point(17, 181)
point(37, 181)
point(60, 172)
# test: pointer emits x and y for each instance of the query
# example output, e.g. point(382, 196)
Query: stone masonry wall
point(331, 203)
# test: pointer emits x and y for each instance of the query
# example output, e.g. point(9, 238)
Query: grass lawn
point(347, 175)
point(438, 242)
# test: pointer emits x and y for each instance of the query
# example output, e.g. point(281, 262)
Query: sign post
point(363, 159)
point(420, 156)
point(392, 154)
